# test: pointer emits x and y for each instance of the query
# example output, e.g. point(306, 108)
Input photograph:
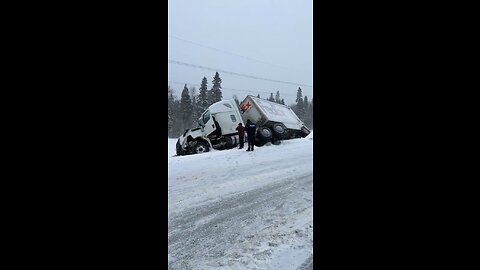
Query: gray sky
point(271, 39)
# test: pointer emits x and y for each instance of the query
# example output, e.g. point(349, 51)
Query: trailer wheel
point(201, 147)
point(264, 133)
point(279, 130)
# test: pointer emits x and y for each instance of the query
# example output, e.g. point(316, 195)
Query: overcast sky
point(271, 39)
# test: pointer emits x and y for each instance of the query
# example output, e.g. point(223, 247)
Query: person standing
point(241, 134)
point(251, 129)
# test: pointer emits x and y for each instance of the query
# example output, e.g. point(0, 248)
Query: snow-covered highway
point(234, 209)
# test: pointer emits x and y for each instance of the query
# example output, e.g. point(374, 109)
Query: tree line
point(183, 112)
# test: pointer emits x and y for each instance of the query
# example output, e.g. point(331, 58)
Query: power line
point(235, 73)
point(225, 88)
point(227, 52)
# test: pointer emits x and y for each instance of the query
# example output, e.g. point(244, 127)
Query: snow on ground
point(234, 209)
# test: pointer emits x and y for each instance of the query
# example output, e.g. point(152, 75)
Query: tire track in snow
point(223, 232)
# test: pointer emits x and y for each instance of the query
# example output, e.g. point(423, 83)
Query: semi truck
point(217, 125)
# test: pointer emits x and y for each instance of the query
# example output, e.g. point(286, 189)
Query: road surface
point(233, 209)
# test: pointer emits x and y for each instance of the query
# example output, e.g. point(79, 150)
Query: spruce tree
point(177, 127)
point(258, 96)
point(185, 109)
point(305, 103)
point(299, 109)
point(195, 114)
point(299, 95)
point(277, 97)
point(216, 92)
point(170, 112)
point(271, 98)
point(282, 102)
point(202, 99)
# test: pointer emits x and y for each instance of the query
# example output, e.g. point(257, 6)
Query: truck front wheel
point(201, 147)
point(179, 149)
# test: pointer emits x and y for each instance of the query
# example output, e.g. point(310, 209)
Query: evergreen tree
point(202, 99)
point(258, 96)
point(277, 97)
point(216, 92)
point(177, 127)
point(185, 109)
point(299, 95)
point(174, 128)
point(282, 102)
point(299, 108)
point(271, 98)
point(195, 113)
point(171, 105)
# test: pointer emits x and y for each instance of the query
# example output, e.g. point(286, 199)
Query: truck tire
point(279, 130)
point(179, 149)
point(232, 140)
point(201, 147)
point(265, 134)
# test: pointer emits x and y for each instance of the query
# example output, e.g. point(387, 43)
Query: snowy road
point(234, 209)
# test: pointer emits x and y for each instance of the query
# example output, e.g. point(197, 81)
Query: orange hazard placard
point(245, 106)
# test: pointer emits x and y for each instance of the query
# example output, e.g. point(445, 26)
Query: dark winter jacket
point(251, 128)
point(241, 131)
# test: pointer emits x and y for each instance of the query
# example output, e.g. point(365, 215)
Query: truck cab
point(216, 129)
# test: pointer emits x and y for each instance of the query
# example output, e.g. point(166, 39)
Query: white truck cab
point(217, 129)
